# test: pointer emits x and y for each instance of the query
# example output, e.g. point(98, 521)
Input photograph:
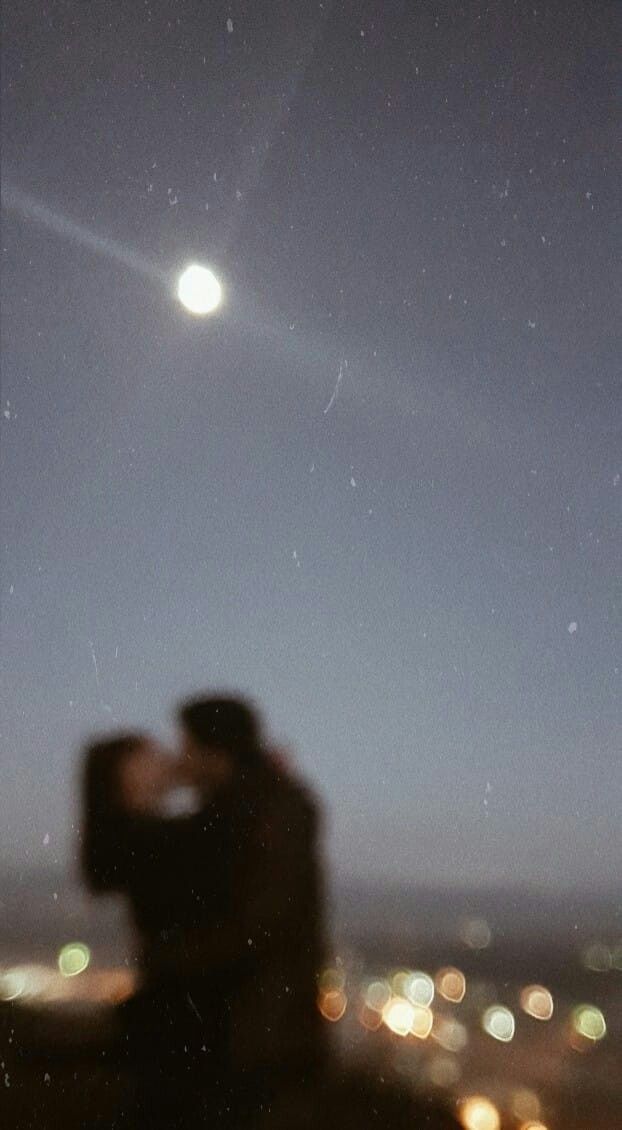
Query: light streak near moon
point(31, 209)
point(197, 288)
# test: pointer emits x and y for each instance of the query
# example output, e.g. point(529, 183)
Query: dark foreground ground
point(59, 1067)
point(65, 1084)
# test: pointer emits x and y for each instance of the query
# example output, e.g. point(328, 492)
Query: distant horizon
point(607, 890)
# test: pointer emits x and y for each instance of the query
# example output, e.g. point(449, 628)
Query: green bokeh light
point(73, 959)
point(589, 1022)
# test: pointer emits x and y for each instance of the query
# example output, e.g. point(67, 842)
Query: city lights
point(444, 1071)
point(398, 1016)
point(25, 982)
point(332, 979)
point(419, 988)
point(377, 995)
point(399, 981)
point(12, 984)
point(525, 1105)
point(422, 1021)
point(589, 1022)
point(451, 984)
point(479, 1113)
point(476, 933)
point(598, 958)
point(499, 1023)
point(45, 984)
point(430, 1041)
point(449, 1033)
point(537, 1001)
point(333, 1004)
point(370, 1018)
point(73, 959)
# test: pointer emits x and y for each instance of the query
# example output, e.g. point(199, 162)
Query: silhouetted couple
point(215, 851)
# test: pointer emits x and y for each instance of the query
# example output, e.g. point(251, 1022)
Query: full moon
point(198, 289)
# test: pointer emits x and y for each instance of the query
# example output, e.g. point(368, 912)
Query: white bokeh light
point(198, 289)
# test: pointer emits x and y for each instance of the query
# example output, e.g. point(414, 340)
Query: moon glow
point(198, 290)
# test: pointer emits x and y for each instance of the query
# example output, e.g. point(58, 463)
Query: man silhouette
point(267, 944)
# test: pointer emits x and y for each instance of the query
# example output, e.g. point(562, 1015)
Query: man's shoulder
point(294, 800)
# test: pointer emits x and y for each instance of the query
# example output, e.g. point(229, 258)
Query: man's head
point(218, 736)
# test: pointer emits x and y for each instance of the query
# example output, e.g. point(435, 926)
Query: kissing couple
point(215, 850)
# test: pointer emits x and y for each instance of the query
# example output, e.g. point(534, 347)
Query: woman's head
point(107, 763)
point(102, 806)
point(124, 773)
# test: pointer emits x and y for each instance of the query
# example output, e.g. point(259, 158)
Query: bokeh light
point(597, 957)
point(25, 981)
point(332, 980)
point(589, 1022)
point(370, 1018)
point(73, 959)
point(537, 1001)
point(531, 1125)
point(499, 1023)
point(444, 1071)
point(476, 933)
point(398, 1016)
point(419, 988)
point(422, 1021)
point(451, 984)
point(377, 995)
point(333, 1004)
point(479, 1113)
point(399, 981)
point(525, 1104)
point(12, 984)
point(449, 1033)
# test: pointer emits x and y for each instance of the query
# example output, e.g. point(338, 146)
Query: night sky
point(380, 489)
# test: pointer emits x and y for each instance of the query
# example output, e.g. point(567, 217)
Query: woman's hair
point(102, 809)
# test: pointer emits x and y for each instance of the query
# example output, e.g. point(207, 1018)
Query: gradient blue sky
point(423, 198)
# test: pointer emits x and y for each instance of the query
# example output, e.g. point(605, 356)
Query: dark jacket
point(229, 902)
